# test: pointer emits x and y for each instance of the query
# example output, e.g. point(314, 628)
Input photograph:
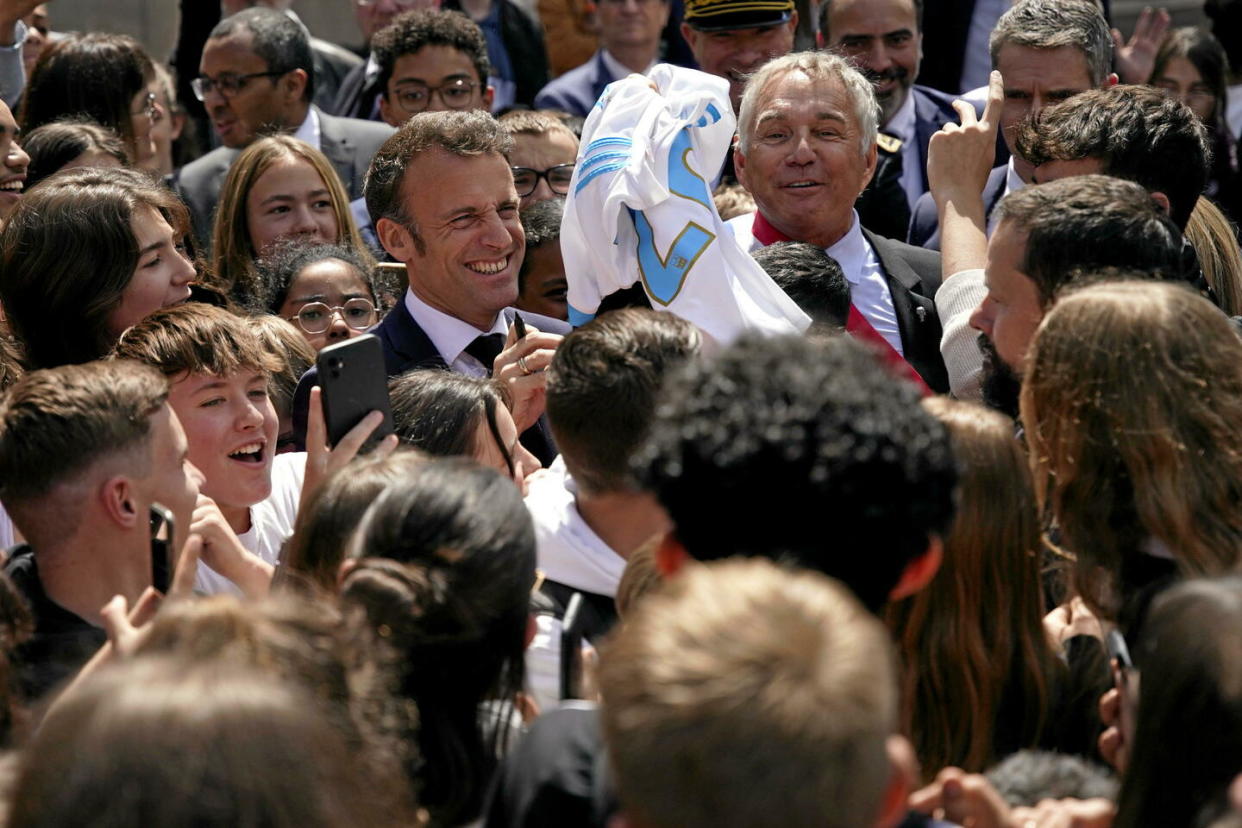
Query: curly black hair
point(801, 449)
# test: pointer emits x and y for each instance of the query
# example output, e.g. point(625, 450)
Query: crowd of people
point(901, 486)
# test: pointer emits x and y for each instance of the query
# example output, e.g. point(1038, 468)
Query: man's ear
point(739, 162)
point(489, 95)
point(119, 502)
point(293, 84)
point(396, 239)
point(689, 35)
point(1163, 200)
point(870, 160)
point(919, 572)
point(670, 556)
point(903, 777)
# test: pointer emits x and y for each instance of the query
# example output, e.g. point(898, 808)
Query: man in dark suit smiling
point(442, 197)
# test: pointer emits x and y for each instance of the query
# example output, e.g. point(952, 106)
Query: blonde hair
point(741, 693)
point(639, 578)
point(1215, 240)
point(975, 656)
point(1132, 402)
point(233, 255)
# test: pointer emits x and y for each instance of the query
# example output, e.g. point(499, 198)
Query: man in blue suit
point(629, 42)
point(442, 197)
point(884, 39)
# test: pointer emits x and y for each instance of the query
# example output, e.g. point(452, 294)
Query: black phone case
point(354, 383)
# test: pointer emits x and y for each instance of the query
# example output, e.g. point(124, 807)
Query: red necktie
point(856, 325)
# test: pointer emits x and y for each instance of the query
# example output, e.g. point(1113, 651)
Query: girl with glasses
point(278, 188)
point(100, 77)
point(328, 291)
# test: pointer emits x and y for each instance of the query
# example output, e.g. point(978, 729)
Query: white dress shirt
point(902, 125)
point(308, 132)
point(617, 69)
point(868, 287)
point(451, 335)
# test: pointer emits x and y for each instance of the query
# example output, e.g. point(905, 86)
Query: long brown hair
point(976, 664)
point(1132, 404)
point(1215, 240)
point(233, 255)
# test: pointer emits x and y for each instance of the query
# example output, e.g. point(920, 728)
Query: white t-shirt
point(271, 523)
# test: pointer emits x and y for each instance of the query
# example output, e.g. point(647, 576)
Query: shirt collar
point(850, 251)
point(618, 69)
point(902, 122)
point(449, 334)
point(1013, 181)
point(308, 132)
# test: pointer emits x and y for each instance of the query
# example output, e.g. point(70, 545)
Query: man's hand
point(1137, 58)
point(1071, 619)
point(960, 156)
point(967, 799)
point(223, 552)
point(521, 366)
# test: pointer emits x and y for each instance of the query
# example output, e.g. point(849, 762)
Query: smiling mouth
point(249, 453)
point(15, 186)
point(801, 185)
point(489, 268)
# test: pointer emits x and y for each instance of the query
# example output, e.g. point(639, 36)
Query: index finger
point(996, 99)
point(182, 585)
point(316, 431)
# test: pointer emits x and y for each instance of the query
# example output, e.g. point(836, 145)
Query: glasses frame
point(151, 107)
point(459, 80)
point(202, 85)
point(546, 176)
point(334, 310)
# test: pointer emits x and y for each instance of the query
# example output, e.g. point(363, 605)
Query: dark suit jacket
point(332, 65)
point(406, 348)
point(925, 222)
point(356, 98)
point(577, 90)
point(882, 207)
point(913, 276)
point(348, 143)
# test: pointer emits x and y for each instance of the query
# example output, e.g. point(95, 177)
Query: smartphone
point(571, 648)
point(520, 324)
point(163, 539)
point(354, 383)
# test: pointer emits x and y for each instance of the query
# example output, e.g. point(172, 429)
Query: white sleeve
point(956, 300)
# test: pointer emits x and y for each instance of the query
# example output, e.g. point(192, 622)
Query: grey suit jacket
point(348, 143)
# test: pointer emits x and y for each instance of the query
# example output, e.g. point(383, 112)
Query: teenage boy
point(84, 452)
point(220, 372)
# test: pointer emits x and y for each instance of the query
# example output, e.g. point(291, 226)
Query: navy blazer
point(925, 222)
point(406, 348)
point(932, 110)
point(913, 275)
point(347, 142)
point(577, 90)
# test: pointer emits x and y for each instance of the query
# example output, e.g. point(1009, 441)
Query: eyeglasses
point(316, 317)
point(415, 96)
point(558, 178)
point(228, 85)
point(149, 107)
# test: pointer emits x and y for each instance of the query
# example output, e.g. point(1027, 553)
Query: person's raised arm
point(959, 160)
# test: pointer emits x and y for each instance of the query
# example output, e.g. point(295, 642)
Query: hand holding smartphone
point(354, 382)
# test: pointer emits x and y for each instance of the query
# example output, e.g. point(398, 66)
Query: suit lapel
point(917, 321)
point(335, 143)
point(602, 76)
point(406, 346)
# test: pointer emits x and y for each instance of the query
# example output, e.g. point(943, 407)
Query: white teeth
point(489, 267)
point(802, 184)
point(250, 448)
point(13, 186)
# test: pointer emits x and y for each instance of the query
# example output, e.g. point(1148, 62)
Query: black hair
point(54, 145)
point(811, 278)
point(802, 449)
point(277, 38)
point(438, 411)
point(542, 223)
point(411, 31)
point(280, 269)
point(445, 564)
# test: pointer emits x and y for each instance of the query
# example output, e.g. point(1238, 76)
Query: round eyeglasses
point(526, 180)
point(415, 96)
point(316, 317)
